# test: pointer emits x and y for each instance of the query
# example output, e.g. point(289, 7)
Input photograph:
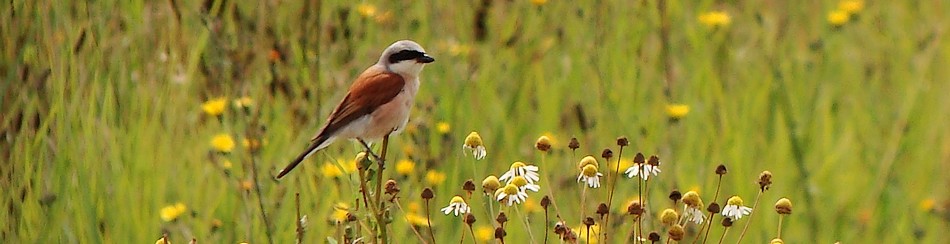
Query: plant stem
point(723, 237)
point(610, 196)
point(749, 221)
point(429, 222)
point(380, 211)
point(527, 225)
point(780, 218)
point(411, 226)
point(711, 215)
point(299, 224)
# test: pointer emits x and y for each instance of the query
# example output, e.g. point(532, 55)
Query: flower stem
point(411, 226)
point(429, 222)
point(780, 218)
point(711, 215)
point(749, 221)
point(723, 237)
point(610, 196)
point(527, 225)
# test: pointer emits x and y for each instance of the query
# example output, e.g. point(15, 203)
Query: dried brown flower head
point(765, 180)
point(622, 141)
point(543, 144)
point(607, 153)
point(427, 193)
point(721, 169)
point(574, 145)
point(783, 206)
point(677, 232)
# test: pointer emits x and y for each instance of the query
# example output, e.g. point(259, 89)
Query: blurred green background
point(104, 132)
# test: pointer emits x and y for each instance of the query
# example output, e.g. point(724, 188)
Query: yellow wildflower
point(838, 17)
point(677, 111)
point(851, 6)
point(222, 142)
point(582, 233)
point(162, 240)
point(417, 220)
point(215, 107)
point(366, 10)
point(171, 212)
point(539, 2)
point(339, 215)
point(714, 19)
point(484, 233)
point(330, 170)
point(243, 102)
point(624, 164)
point(414, 207)
point(927, 204)
point(435, 177)
point(531, 206)
point(405, 167)
point(226, 164)
point(442, 128)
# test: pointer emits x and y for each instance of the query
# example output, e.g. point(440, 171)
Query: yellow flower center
point(473, 140)
point(519, 181)
point(735, 200)
point(692, 199)
point(491, 183)
point(511, 189)
point(588, 160)
point(457, 199)
point(517, 165)
point(589, 170)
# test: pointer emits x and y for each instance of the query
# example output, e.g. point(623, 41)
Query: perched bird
point(377, 103)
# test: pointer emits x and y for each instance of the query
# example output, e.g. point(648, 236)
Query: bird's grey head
point(405, 57)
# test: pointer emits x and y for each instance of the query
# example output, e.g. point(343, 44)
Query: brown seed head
point(676, 196)
point(669, 216)
point(714, 208)
point(721, 169)
point(783, 206)
point(635, 208)
point(500, 233)
point(350, 217)
point(391, 187)
point(765, 180)
point(607, 154)
point(468, 186)
point(622, 141)
point(543, 144)
point(574, 145)
point(726, 222)
point(589, 221)
point(502, 218)
point(469, 219)
point(654, 237)
point(427, 193)
point(654, 160)
point(676, 233)
point(602, 209)
point(545, 202)
point(559, 228)
point(639, 159)
point(692, 199)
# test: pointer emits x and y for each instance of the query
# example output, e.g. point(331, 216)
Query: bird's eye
point(405, 55)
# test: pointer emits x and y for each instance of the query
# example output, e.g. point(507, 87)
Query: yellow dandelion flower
point(330, 170)
point(172, 212)
point(851, 6)
point(215, 107)
point(715, 19)
point(435, 177)
point(442, 127)
point(582, 233)
point(405, 167)
point(222, 142)
point(838, 17)
point(539, 2)
point(162, 240)
point(927, 204)
point(414, 207)
point(624, 164)
point(226, 164)
point(484, 233)
point(243, 102)
point(532, 206)
point(677, 111)
point(366, 10)
point(339, 215)
point(348, 166)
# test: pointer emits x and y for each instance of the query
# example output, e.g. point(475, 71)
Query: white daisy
point(734, 208)
point(474, 142)
point(510, 194)
point(590, 176)
point(523, 185)
point(695, 215)
point(456, 206)
point(642, 170)
point(529, 172)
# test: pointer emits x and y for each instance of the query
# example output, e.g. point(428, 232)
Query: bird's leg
point(369, 150)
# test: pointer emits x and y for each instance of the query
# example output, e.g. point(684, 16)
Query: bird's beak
point(425, 59)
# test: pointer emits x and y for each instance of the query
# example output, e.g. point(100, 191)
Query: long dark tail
point(319, 142)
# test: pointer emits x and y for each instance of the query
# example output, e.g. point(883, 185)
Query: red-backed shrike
point(377, 103)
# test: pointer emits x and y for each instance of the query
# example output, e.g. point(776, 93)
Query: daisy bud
point(468, 186)
point(622, 141)
point(726, 222)
point(427, 193)
point(765, 180)
point(676, 196)
point(654, 237)
point(639, 159)
point(573, 145)
point(691, 198)
point(783, 206)
point(607, 154)
point(721, 169)
point(502, 218)
point(473, 140)
point(676, 233)
point(588, 160)
point(543, 144)
point(490, 184)
point(669, 216)
point(713, 208)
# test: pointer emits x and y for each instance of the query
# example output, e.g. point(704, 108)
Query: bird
point(377, 103)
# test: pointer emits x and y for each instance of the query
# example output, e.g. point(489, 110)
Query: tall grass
point(102, 126)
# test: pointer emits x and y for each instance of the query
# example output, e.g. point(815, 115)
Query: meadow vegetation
point(135, 121)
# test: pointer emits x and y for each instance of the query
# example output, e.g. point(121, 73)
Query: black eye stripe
point(405, 55)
